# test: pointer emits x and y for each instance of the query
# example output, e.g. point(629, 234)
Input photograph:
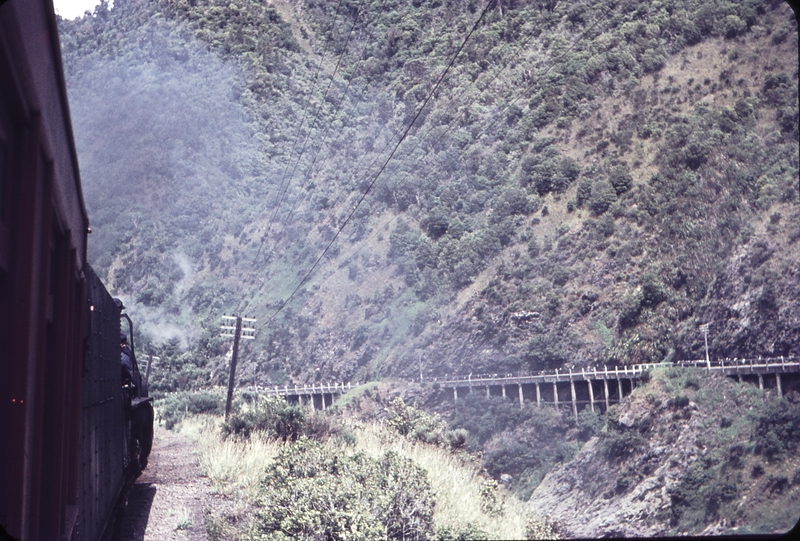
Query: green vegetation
point(380, 484)
point(312, 492)
point(744, 451)
point(273, 416)
point(589, 183)
point(175, 407)
point(581, 191)
point(522, 444)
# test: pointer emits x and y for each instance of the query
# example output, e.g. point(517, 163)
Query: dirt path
point(167, 501)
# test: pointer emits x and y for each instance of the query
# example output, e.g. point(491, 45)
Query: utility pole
point(704, 328)
point(244, 327)
point(149, 364)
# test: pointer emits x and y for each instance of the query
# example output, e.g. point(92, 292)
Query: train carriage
point(65, 419)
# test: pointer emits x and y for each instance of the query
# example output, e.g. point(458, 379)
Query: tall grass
point(456, 482)
point(232, 464)
point(237, 466)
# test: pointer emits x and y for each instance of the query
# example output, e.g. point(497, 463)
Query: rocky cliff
point(685, 454)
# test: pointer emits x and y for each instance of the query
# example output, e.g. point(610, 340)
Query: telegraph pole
point(244, 328)
point(149, 364)
point(704, 327)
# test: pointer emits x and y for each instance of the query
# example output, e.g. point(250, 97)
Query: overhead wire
point(375, 159)
point(327, 129)
point(344, 95)
point(486, 85)
point(406, 172)
point(281, 188)
point(489, 5)
point(325, 95)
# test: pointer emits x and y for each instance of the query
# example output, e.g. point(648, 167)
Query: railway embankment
point(169, 497)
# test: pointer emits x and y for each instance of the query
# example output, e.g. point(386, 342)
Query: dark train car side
point(65, 451)
point(104, 456)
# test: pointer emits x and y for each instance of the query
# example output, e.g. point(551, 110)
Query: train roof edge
point(44, 229)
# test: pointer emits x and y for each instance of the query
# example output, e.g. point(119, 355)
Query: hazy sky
point(71, 9)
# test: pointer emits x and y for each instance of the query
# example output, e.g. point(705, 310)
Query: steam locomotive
point(73, 437)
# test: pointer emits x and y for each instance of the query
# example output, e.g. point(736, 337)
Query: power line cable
point(406, 172)
point(486, 86)
point(489, 5)
point(344, 95)
point(325, 95)
point(281, 188)
point(316, 154)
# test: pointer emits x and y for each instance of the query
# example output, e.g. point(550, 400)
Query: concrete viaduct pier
point(597, 389)
point(570, 391)
point(319, 395)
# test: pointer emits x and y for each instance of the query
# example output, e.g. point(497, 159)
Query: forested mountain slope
point(589, 182)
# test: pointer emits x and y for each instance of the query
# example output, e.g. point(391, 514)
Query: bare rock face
point(607, 509)
point(679, 456)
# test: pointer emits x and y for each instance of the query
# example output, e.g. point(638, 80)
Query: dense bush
point(602, 197)
point(174, 407)
point(273, 416)
point(776, 429)
point(414, 423)
point(474, 168)
point(483, 417)
point(312, 492)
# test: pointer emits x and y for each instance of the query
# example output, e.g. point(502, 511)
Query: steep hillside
point(590, 181)
point(668, 463)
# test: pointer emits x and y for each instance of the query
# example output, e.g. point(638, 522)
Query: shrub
point(776, 429)
point(533, 247)
point(630, 309)
point(620, 445)
point(734, 26)
point(620, 179)
point(569, 168)
point(434, 224)
point(414, 423)
point(606, 225)
point(653, 292)
point(560, 277)
point(513, 201)
point(603, 196)
point(491, 502)
point(678, 402)
point(584, 192)
point(589, 424)
point(483, 417)
point(457, 438)
point(274, 416)
point(176, 407)
point(542, 352)
point(695, 154)
point(312, 492)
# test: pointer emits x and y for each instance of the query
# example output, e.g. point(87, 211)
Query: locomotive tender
point(69, 445)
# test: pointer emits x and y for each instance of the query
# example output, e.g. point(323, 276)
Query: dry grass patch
point(463, 495)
